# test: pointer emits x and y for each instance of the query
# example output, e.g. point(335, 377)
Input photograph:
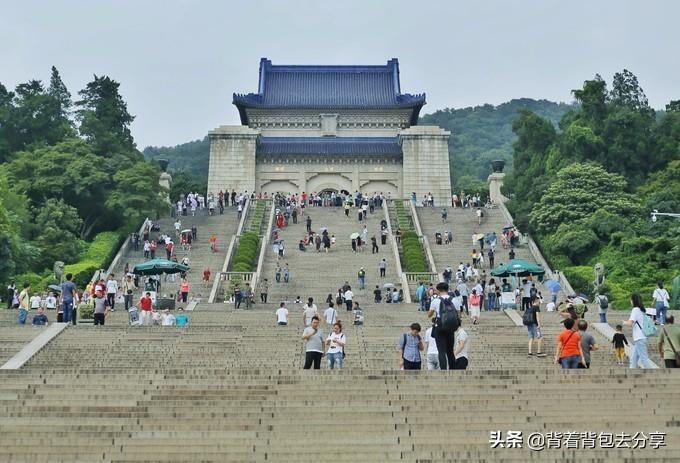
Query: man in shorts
point(534, 329)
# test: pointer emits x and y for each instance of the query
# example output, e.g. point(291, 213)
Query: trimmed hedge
point(99, 255)
point(413, 257)
point(402, 216)
point(258, 216)
point(246, 253)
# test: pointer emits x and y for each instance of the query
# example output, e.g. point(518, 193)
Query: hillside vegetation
point(586, 189)
point(72, 182)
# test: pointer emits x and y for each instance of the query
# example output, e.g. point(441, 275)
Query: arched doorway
point(333, 190)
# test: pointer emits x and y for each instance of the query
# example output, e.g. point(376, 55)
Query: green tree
point(577, 192)
point(55, 232)
point(626, 91)
point(104, 118)
point(183, 182)
point(33, 118)
point(592, 99)
point(70, 171)
point(6, 133)
point(136, 195)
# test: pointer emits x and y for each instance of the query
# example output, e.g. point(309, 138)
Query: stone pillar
point(495, 181)
point(426, 163)
point(232, 159)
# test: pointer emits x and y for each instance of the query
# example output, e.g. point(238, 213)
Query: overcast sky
point(179, 62)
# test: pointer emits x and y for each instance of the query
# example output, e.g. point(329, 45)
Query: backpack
point(449, 319)
point(604, 302)
point(648, 328)
point(528, 317)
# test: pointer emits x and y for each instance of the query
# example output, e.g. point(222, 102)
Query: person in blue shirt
point(181, 318)
point(420, 295)
point(68, 289)
point(410, 346)
point(40, 318)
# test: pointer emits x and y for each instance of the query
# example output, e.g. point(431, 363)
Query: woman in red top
point(569, 352)
point(206, 277)
point(475, 306)
point(184, 290)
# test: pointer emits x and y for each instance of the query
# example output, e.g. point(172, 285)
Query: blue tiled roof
point(328, 87)
point(333, 146)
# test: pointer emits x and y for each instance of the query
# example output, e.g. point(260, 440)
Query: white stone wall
point(426, 163)
point(232, 159)
point(308, 123)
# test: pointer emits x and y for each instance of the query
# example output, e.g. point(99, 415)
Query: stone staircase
point(229, 387)
point(317, 274)
point(463, 223)
point(200, 255)
point(234, 391)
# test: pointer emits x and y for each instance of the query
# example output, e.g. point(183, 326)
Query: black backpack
point(449, 319)
point(528, 317)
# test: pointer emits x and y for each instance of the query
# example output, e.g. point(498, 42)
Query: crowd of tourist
point(463, 294)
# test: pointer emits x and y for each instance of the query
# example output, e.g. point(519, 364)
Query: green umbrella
point(158, 266)
point(518, 267)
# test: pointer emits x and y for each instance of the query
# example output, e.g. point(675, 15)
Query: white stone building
point(342, 128)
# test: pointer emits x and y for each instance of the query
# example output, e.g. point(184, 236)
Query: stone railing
point(495, 182)
point(417, 277)
point(233, 243)
point(264, 242)
point(423, 239)
point(395, 251)
point(222, 284)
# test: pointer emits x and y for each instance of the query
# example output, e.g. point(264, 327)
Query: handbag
point(675, 352)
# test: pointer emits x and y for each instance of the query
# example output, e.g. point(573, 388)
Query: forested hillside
point(192, 157)
point(587, 190)
point(72, 183)
point(484, 133)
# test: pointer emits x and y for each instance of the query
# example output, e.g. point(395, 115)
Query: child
point(619, 340)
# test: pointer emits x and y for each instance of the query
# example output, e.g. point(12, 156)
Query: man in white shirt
point(178, 226)
point(464, 292)
point(661, 299)
point(35, 302)
point(111, 290)
point(50, 302)
point(330, 315)
point(432, 352)
point(348, 296)
point(282, 315)
point(167, 319)
point(309, 310)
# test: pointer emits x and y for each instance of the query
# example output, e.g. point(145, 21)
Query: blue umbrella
point(552, 285)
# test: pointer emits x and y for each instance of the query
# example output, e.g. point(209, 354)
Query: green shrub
point(246, 252)
point(581, 278)
point(34, 279)
point(99, 254)
point(86, 311)
point(242, 267)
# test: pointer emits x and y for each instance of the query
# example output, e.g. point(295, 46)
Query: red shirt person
point(145, 302)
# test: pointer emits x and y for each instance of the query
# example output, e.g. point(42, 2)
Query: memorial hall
point(330, 128)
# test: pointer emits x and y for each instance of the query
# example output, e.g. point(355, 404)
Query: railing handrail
point(244, 215)
point(424, 240)
point(97, 275)
point(395, 251)
point(230, 250)
point(265, 242)
point(533, 247)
